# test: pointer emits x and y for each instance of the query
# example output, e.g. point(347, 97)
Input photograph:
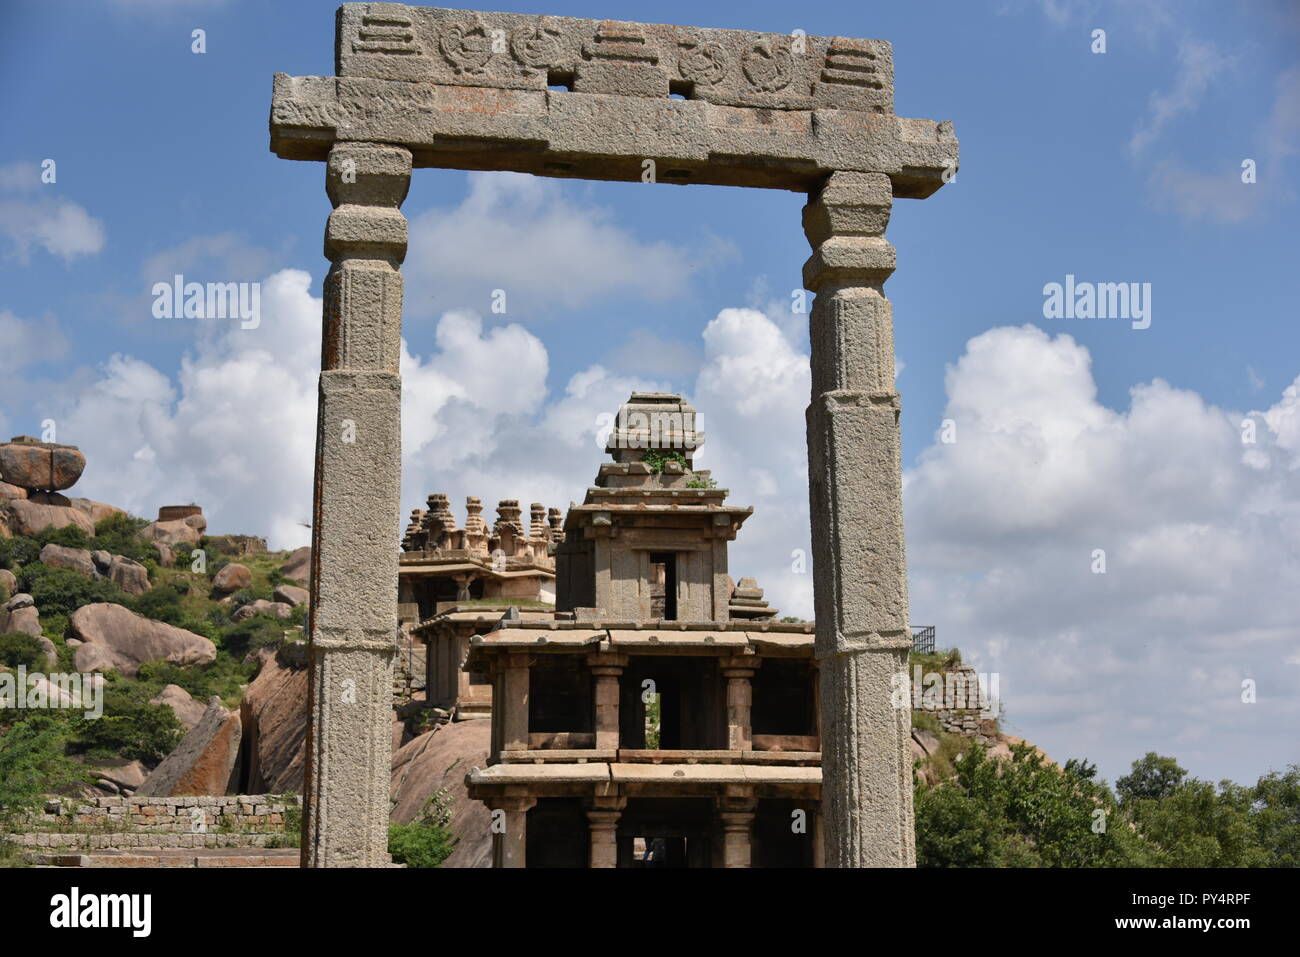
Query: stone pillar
point(514, 702)
point(510, 830)
point(356, 524)
point(606, 667)
point(855, 486)
point(603, 817)
point(737, 816)
point(740, 700)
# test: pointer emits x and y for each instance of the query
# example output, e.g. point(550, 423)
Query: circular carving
point(467, 48)
point(535, 48)
point(767, 67)
point(704, 63)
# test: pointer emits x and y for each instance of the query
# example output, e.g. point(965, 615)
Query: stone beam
point(466, 90)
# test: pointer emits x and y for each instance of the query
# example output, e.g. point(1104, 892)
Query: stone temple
point(659, 716)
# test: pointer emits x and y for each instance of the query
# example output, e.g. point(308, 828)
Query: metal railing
point(923, 639)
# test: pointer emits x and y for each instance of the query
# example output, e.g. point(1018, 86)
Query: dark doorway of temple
point(663, 586)
point(667, 833)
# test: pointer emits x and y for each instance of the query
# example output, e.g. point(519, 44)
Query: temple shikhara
point(659, 715)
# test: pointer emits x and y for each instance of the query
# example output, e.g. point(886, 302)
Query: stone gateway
point(556, 96)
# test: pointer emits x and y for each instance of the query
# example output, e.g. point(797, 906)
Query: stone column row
point(855, 498)
point(356, 522)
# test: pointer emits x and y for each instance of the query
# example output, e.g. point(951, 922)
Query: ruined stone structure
point(558, 96)
point(580, 771)
point(455, 582)
point(442, 563)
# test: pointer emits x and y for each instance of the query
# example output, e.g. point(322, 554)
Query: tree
point(1151, 778)
point(1275, 815)
point(32, 763)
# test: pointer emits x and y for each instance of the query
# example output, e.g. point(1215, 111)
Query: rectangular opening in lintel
point(561, 80)
point(681, 90)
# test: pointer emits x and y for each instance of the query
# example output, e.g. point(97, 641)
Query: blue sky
point(1123, 166)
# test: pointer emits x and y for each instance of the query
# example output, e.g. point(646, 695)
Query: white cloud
point(527, 236)
point(234, 432)
point(61, 228)
point(40, 219)
point(1197, 528)
point(1199, 64)
point(25, 341)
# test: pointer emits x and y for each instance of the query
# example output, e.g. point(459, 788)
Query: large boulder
point(128, 575)
point(292, 595)
point(97, 511)
point(32, 464)
point(78, 559)
point(8, 583)
point(261, 606)
point(122, 775)
point(274, 715)
point(439, 759)
point(204, 762)
point(298, 565)
point(51, 653)
point(231, 578)
point(173, 534)
point(114, 637)
point(20, 615)
point(188, 711)
point(236, 544)
point(28, 517)
point(8, 491)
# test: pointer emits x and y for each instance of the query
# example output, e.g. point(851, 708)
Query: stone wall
point(155, 818)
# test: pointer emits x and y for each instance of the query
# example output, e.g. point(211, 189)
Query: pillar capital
point(739, 666)
point(607, 663)
point(845, 223)
point(367, 174)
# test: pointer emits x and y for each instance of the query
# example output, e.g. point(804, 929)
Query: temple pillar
point(352, 627)
point(602, 818)
point(513, 702)
point(737, 816)
point(855, 497)
point(738, 670)
point(510, 829)
point(606, 668)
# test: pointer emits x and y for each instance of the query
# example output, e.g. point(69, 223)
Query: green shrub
point(223, 677)
point(130, 726)
point(33, 763)
point(251, 635)
point(17, 649)
point(426, 841)
point(61, 591)
point(18, 551)
point(163, 603)
point(69, 536)
point(658, 458)
point(120, 534)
